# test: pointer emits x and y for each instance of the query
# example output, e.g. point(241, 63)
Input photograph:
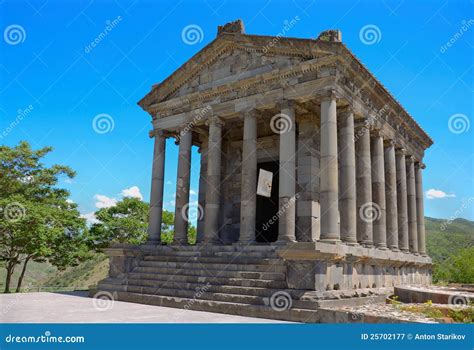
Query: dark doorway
point(266, 225)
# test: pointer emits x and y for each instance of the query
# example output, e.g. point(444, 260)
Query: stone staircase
point(240, 280)
point(246, 281)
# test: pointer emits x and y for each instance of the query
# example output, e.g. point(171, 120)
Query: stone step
point(232, 308)
point(193, 295)
point(205, 286)
point(250, 296)
point(205, 253)
point(213, 280)
point(233, 259)
point(213, 266)
point(276, 276)
point(218, 248)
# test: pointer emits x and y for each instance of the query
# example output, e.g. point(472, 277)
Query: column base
point(394, 249)
point(152, 243)
point(381, 247)
point(179, 242)
point(284, 241)
point(242, 243)
point(367, 244)
point(330, 240)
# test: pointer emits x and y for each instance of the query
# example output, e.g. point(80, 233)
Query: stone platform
point(294, 282)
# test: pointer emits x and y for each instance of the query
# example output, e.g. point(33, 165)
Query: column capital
point(286, 104)
point(376, 132)
point(215, 120)
point(181, 132)
point(401, 151)
point(249, 112)
point(420, 165)
point(329, 95)
point(389, 143)
point(411, 158)
point(157, 132)
point(345, 111)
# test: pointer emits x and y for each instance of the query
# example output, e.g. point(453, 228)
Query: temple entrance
point(266, 223)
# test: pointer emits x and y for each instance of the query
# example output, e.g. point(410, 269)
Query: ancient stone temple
point(337, 163)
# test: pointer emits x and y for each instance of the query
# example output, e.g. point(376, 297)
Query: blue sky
point(52, 84)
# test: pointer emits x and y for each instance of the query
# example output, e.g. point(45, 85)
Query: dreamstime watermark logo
point(109, 26)
point(459, 123)
point(465, 204)
point(21, 114)
point(369, 123)
point(370, 34)
point(198, 294)
point(370, 212)
point(47, 338)
point(198, 117)
point(104, 300)
point(287, 26)
point(458, 300)
point(103, 123)
point(465, 26)
point(192, 212)
point(281, 123)
point(14, 34)
point(192, 34)
point(280, 212)
point(279, 301)
point(14, 212)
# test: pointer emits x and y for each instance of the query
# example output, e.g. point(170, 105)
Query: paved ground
point(77, 308)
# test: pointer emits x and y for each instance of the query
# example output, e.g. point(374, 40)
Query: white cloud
point(169, 182)
point(133, 192)
point(192, 192)
point(104, 201)
point(438, 194)
point(90, 218)
point(70, 201)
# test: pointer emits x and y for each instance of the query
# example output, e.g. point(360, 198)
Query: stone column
point(348, 178)
point(402, 206)
point(420, 211)
point(363, 185)
point(411, 193)
point(157, 183)
point(202, 191)
point(182, 187)
point(391, 196)
point(287, 179)
point(248, 200)
point(213, 186)
point(329, 172)
point(378, 191)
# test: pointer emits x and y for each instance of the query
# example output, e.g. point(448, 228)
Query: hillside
point(440, 244)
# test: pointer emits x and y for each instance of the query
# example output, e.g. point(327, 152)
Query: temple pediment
point(232, 57)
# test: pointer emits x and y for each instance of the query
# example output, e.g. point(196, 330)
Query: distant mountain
point(443, 239)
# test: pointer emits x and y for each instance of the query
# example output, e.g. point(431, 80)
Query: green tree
point(461, 266)
point(127, 222)
point(37, 222)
